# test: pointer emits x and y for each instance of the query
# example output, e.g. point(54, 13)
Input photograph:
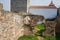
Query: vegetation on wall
point(39, 29)
point(28, 37)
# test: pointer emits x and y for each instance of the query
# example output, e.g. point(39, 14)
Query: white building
point(47, 11)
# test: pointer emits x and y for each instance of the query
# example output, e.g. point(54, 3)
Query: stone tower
point(18, 5)
point(51, 4)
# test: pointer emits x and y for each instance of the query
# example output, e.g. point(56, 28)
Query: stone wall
point(18, 5)
point(10, 26)
point(50, 28)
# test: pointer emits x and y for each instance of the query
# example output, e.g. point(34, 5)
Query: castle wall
point(18, 5)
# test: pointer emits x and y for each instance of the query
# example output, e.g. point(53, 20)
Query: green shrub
point(38, 29)
point(40, 26)
point(28, 37)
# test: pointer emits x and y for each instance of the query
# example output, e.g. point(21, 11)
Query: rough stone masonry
point(10, 25)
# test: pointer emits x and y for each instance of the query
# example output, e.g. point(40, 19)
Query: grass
point(28, 37)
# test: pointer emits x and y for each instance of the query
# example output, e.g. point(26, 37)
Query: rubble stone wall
point(50, 28)
point(10, 26)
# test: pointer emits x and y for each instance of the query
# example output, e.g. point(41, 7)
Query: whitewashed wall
point(46, 12)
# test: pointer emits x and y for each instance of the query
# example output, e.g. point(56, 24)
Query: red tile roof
point(42, 7)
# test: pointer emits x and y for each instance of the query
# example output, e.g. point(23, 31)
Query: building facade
point(47, 11)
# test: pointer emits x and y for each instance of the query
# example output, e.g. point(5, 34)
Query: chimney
point(1, 6)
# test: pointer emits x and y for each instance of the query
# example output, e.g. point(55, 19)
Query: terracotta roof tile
point(42, 7)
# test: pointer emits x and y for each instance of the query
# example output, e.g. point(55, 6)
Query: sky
point(7, 5)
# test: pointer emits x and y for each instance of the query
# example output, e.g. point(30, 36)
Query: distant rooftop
point(51, 5)
point(42, 7)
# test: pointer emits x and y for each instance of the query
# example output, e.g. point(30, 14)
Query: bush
point(40, 26)
point(38, 29)
point(28, 37)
